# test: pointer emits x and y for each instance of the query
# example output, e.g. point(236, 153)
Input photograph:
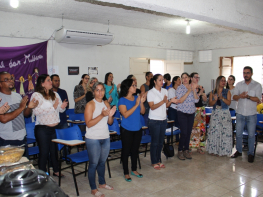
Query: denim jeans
point(251, 128)
point(186, 125)
point(157, 131)
point(172, 115)
point(44, 134)
point(98, 151)
point(146, 120)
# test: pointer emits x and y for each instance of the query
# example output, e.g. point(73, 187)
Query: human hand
point(201, 90)
point(23, 102)
point(118, 86)
point(112, 111)
point(33, 103)
point(215, 96)
point(243, 95)
point(174, 100)
point(56, 103)
point(165, 99)
point(220, 96)
point(193, 86)
point(105, 112)
point(64, 104)
point(143, 98)
point(110, 99)
point(4, 108)
point(138, 100)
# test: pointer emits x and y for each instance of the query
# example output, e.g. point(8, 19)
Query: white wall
point(128, 42)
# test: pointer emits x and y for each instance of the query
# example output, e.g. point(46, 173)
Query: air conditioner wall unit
point(83, 37)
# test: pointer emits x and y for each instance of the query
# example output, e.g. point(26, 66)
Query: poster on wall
point(25, 64)
point(93, 71)
point(73, 70)
point(51, 70)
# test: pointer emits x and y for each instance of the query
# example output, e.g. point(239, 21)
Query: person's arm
point(143, 99)
point(112, 88)
point(61, 105)
point(126, 113)
point(172, 100)
point(142, 89)
point(77, 96)
point(155, 106)
point(182, 99)
point(4, 108)
point(4, 118)
point(211, 101)
point(31, 105)
point(88, 114)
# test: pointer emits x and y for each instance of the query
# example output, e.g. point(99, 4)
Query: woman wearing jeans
point(97, 117)
point(157, 99)
point(47, 120)
point(186, 114)
point(131, 128)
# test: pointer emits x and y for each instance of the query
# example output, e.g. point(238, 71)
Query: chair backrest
point(117, 114)
point(76, 117)
point(115, 126)
point(71, 133)
point(30, 130)
point(208, 110)
point(259, 118)
point(28, 120)
point(70, 111)
point(232, 113)
point(142, 121)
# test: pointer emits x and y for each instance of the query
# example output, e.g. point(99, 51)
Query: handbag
point(168, 150)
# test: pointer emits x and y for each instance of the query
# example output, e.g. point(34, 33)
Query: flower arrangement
point(260, 108)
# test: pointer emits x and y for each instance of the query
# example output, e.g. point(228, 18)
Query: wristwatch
point(248, 97)
point(223, 99)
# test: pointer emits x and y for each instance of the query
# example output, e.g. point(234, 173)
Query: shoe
point(250, 158)
point(236, 154)
point(58, 175)
point(187, 154)
point(180, 155)
point(139, 175)
point(128, 179)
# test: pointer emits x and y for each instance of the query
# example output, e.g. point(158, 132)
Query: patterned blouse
point(188, 106)
point(80, 105)
point(45, 113)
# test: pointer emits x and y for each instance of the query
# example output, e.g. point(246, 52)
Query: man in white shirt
point(248, 94)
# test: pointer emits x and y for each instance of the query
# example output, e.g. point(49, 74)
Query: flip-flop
point(108, 187)
point(162, 165)
point(156, 167)
point(200, 151)
point(98, 194)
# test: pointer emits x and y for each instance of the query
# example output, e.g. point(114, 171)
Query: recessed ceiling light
point(14, 3)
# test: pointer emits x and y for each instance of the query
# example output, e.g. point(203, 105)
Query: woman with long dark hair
point(172, 110)
point(157, 99)
point(130, 107)
point(219, 141)
point(186, 113)
point(197, 139)
point(167, 81)
point(98, 115)
point(230, 85)
point(47, 120)
point(80, 94)
point(111, 89)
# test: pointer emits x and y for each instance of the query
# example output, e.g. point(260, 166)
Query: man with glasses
point(247, 93)
point(64, 97)
point(12, 123)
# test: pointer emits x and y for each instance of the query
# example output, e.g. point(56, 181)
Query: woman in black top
point(197, 139)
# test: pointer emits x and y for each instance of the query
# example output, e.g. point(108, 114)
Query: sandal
point(161, 165)
point(108, 187)
point(98, 194)
point(200, 151)
point(156, 167)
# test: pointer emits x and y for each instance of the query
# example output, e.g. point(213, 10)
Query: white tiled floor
point(203, 176)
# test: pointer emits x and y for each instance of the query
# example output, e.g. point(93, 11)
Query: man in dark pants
point(64, 96)
point(12, 123)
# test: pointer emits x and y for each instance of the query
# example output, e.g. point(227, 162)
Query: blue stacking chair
point(70, 111)
point(146, 139)
point(259, 125)
point(72, 133)
point(28, 120)
point(30, 132)
point(78, 117)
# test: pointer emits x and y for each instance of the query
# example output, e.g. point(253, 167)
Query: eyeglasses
point(7, 79)
point(246, 73)
point(135, 86)
point(197, 78)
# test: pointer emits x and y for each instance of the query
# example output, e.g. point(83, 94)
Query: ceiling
point(99, 12)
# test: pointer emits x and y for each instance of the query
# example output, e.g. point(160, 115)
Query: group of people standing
point(183, 96)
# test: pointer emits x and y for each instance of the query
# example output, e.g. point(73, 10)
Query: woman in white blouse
point(157, 99)
point(47, 120)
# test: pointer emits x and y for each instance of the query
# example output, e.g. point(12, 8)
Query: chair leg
point(59, 178)
point(145, 150)
point(86, 167)
point(74, 178)
point(108, 168)
point(139, 162)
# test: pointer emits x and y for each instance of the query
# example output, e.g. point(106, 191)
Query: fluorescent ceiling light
point(188, 28)
point(14, 3)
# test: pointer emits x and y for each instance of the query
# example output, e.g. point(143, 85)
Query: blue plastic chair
point(146, 139)
point(208, 110)
point(259, 125)
point(72, 133)
point(78, 117)
point(30, 131)
point(70, 111)
point(28, 120)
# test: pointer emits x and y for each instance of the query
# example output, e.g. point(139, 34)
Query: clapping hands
point(4, 108)
point(64, 104)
